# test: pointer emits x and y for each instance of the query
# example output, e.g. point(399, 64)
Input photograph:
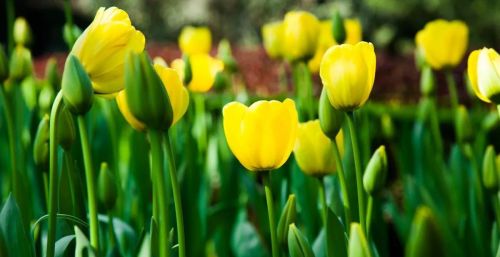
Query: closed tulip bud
point(22, 32)
point(204, 69)
point(490, 121)
point(387, 126)
point(66, 129)
point(4, 65)
point(348, 72)
point(263, 135)
point(195, 40)
point(76, 87)
point(272, 36)
point(52, 75)
point(225, 54)
point(443, 43)
point(298, 246)
point(338, 28)
point(330, 119)
point(300, 35)
point(358, 245)
point(46, 98)
point(314, 150)
point(146, 96)
point(463, 129)
point(376, 172)
point(71, 32)
point(107, 187)
point(222, 81)
point(28, 90)
point(427, 81)
point(288, 216)
point(425, 237)
point(21, 65)
point(490, 173)
point(102, 49)
point(41, 143)
point(484, 74)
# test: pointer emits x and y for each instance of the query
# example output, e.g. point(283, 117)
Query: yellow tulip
point(204, 68)
point(326, 40)
point(443, 43)
point(103, 46)
point(179, 66)
point(263, 135)
point(300, 35)
point(272, 35)
point(348, 72)
point(159, 60)
point(195, 40)
point(314, 150)
point(484, 74)
point(177, 93)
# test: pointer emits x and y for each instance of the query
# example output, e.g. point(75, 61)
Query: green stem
point(9, 4)
point(477, 176)
point(359, 173)
point(9, 120)
point(177, 198)
point(69, 165)
point(46, 188)
point(496, 207)
point(369, 213)
point(270, 209)
point(111, 230)
point(452, 88)
point(155, 138)
point(324, 204)
point(52, 209)
point(89, 175)
point(67, 12)
point(343, 186)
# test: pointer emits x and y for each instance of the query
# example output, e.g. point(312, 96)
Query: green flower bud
point(298, 246)
point(387, 126)
point(77, 90)
point(425, 238)
point(490, 121)
point(225, 54)
point(358, 245)
point(420, 61)
point(330, 118)
point(52, 75)
point(4, 65)
point(425, 108)
point(338, 28)
point(21, 65)
point(22, 32)
point(146, 96)
point(288, 216)
point(222, 81)
point(463, 129)
point(427, 81)
point(28, 90)
point(66, 129)
point(41, 143)
point(45, 99)
point(71, 34)
point(188, 72)
point(490, 174)
point(376, 172)
point(107, 187)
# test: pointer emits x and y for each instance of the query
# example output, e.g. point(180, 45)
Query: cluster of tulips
point(365, 179)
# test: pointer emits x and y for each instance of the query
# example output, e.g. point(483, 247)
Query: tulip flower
point(348, 72)
point(177, 93)
point(204, 69)
point(272, 35)
point(484, 74)
point(443, 43)
point(314, 151)
point(326, 40)
point(300, 35)
point(263, 135)
point(195, 40)
point(103, 46)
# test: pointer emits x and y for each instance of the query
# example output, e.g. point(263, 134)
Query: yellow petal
point(472, 72)
point(354, 31)
point(177, 93)
point(195, 40)
point(121, 101)
point(488, 73)
point(178, 65)
point(233, 114)
point(300, 34)
point(272, 35)
point(204, 68)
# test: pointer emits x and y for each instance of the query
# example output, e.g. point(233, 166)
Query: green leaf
point(82, 248)
point(335, 237)
point(65, 247)
point(298, 246)
point(19, 244)
point(246, 241)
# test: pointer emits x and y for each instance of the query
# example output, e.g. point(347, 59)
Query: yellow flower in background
point(179, 66)
point(103, 46)
point(204, 68)
point(348, 72)
point(314, 150)
point(272, 35)
point(300, 35)
point(484, 74)
point(326, 40)
point(195, 40)
point(263, 135)
point(160, 60)
point(443, 43)
point(177, 93)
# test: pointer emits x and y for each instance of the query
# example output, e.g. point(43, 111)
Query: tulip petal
point(177, 93)
point(121, 101)
point(233, 114)
point(488, 77)
point(472, 72)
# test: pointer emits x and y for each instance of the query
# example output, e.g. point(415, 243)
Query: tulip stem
point(89, 175)
point(343, 185)
point(111, 230)
point(155, 138)
point(369, 213)
point(270, 210)
point(177, 198)
point(322, 197)
point(67, 13)
point(359, 173)
point(52, 208)
point(452, 88)
point(11, 136)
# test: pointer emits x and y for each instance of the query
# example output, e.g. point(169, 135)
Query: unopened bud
point(427, 81)
point(425, 237)
point(358, 245)
point(463, 129)
point(41, 143)
point(22, 32)
point(77, 90)
point(330, 118)
point(338, 28)
point(21, 65)
point(490, 175)
point(298, 246)
point(376, 172)
point(288, 216)
point(71, 34)
point(225, 54)
point(107, 187)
